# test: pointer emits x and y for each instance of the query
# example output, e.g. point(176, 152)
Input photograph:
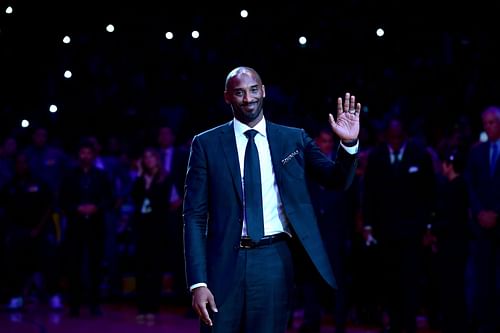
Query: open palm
point(346, 124)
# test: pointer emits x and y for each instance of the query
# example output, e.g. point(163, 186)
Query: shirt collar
point(401, 149)
point(240, 128)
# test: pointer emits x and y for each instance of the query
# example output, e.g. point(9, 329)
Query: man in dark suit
point(483, 174)
point(398, 201)
point(240, 282)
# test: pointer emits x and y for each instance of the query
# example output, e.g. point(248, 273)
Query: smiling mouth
point(249, 105)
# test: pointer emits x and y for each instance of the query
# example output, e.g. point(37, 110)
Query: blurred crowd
point(416, 233)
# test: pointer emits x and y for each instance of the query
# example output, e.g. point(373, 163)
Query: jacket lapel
point(228, 142)
point(276, 146)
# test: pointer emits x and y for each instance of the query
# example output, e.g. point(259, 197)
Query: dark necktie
point(253, 192)
point(494, 157)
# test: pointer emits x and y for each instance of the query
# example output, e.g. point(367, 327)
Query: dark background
point(436, 65)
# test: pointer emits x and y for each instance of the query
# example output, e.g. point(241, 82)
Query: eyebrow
point(238, 88)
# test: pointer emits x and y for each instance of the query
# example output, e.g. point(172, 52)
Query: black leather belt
point(247, 243)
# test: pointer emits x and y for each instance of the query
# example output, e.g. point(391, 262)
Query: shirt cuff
point(197, 285)
point(351, 150)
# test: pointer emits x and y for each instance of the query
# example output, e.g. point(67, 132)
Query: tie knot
point(251, 133)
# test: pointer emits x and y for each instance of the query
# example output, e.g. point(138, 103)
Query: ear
point(263, 91)
point(226, 97)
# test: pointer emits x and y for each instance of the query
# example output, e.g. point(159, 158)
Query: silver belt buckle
point(246, 243)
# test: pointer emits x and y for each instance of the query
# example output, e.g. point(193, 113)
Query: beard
point(249, 115)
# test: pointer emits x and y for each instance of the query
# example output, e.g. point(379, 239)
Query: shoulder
point(289, 129)
point(292, 134)
point(214, 132)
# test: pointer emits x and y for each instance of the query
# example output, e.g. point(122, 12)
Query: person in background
point(150, 193)
point(28, 204)
point(483, 177)
point(86, 196)
point(398, 199)
point(449, 236)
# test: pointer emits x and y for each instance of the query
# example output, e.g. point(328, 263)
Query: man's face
point(86, 156)
point(491, 124)
point(395, 135)
point(40, 137)
point(325, 142)
point(245, 93)
point(166, 137)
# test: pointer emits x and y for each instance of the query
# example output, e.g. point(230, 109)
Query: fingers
point(201, 310)
point(213, 307)
point(204, 316)
point(201, 298)
point(349, 105)
point(347, 99)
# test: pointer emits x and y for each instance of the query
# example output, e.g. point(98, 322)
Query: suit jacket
point(484, 188)
point(398, 202)
point(213, 206)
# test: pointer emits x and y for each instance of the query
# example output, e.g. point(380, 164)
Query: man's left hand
point(346, 127)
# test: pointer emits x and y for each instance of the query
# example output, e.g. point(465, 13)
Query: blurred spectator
point(151, 221)
point(85, 199)
point(27, 204)
point(398, 201)
point(483, 174)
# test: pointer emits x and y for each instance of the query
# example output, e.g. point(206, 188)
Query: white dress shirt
point(274, 216)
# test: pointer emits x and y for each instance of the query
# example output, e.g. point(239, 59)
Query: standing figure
point(86, 195)
point(150, 194)
point(247, 205)
point(483, 173)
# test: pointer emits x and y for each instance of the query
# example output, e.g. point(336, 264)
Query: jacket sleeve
point(195, 215)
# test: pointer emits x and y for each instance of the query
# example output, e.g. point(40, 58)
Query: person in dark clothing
point(150, 194)
point(27, 204)
point(399, 197)
point(451, 241)
point(86, 195)
point(483, 178)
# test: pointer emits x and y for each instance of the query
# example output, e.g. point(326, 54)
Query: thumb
point(331, 120)
point(211, 302)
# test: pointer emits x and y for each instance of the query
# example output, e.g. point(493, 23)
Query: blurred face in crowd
point(395, 134)
point(40, 137)
point(22, 165)
point(245, 94)
point(491, 123)
point(150, 160)
point(325, 142)
point(166, 137)
point(86, 156)
point(9, 147)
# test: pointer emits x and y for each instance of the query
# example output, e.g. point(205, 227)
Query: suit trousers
point(261, 296)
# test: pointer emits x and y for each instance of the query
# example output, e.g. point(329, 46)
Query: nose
point(246, 97)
